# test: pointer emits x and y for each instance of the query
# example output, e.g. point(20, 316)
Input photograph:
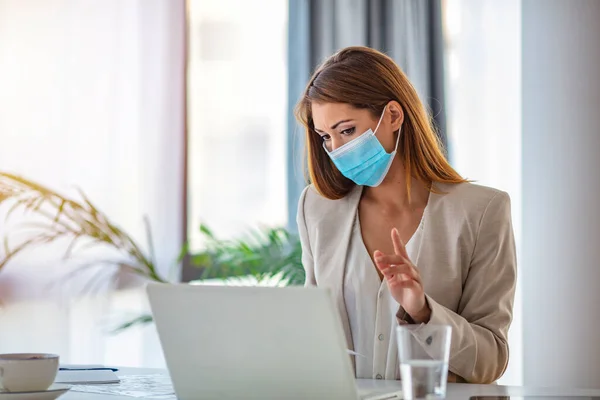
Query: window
point(74, 113)
point(237, 121)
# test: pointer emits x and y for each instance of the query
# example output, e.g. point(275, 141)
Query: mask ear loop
point(399, 130)
point(380, 119)
point(397, 140)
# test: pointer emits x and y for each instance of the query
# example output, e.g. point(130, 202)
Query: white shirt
point(372, 310)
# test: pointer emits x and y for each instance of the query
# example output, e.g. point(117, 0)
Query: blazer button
point(381, 337)
point(429, 340)
point(379, 376)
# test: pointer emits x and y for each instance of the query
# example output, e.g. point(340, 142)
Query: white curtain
point(92, 96)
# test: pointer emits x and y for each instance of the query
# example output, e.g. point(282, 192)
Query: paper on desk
point(81, 366)
point(90, 377)
point(156, 387)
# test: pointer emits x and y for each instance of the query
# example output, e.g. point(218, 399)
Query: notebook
point(85, 374)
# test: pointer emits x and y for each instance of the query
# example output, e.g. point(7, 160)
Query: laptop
point(225, 342)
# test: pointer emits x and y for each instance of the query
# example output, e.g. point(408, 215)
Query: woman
point(396, 234)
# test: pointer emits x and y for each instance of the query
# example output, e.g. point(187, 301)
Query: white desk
point(456, 391)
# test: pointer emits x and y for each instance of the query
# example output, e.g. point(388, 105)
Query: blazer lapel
point(339, 223)
point(425, 222)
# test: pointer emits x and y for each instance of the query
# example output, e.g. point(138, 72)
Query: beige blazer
point(467, 262)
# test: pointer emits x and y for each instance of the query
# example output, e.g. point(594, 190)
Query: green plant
point(270, 253)
point(263, 254)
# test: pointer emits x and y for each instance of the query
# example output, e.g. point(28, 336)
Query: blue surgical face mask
point(364, 160)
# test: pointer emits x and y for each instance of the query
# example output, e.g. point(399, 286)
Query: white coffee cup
point(27, 372)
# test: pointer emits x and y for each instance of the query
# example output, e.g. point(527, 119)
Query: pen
point(89, 369)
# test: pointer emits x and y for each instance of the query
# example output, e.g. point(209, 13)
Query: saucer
point(52, 393)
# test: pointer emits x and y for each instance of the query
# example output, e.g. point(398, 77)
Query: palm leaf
point(60, 217)
point(141, 320)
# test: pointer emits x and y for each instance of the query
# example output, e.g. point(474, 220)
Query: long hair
point(368, 79)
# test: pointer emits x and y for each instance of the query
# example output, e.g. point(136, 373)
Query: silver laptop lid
point(223, 342)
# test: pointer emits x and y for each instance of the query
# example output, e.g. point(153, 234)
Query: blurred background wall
point(561, 222)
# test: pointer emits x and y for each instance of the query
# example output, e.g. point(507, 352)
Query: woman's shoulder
point(470, 198)
point(469, 191)
point(311, 198)
point(314, 206)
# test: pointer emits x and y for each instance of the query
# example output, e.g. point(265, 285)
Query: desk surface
point(455, 391)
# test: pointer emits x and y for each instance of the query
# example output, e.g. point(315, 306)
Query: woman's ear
point(397, 115)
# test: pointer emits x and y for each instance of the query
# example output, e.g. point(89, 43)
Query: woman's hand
point(403, 280)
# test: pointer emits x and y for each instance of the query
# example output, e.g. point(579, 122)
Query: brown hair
point(368, 79)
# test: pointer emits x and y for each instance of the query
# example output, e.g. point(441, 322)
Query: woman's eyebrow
point(336, 124)
point(340, 122)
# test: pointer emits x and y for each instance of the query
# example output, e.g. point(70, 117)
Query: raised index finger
point(399, 248)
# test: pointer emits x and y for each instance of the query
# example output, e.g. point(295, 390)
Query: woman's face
point(339, 123)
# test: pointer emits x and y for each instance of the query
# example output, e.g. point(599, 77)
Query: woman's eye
point(349, 131)
point(325, 138)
